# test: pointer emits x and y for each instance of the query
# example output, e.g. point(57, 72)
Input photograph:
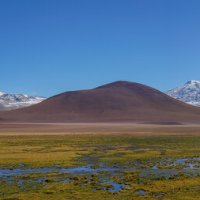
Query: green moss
point(112, 150)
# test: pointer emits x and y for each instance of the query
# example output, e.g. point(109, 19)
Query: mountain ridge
point(119, 101)
point(14, 101)
point(188, 93)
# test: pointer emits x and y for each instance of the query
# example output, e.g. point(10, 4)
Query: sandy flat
point(97, 128)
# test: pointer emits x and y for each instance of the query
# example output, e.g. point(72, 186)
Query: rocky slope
point(188, 93)
point(14, 101)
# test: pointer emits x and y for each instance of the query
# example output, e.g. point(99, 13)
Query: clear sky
point(50, 46)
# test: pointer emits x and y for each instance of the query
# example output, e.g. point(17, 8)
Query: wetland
point(95, 166)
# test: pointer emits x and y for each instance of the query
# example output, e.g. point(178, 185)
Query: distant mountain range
point(119, 101)
point(188, 93)
point(14, 101)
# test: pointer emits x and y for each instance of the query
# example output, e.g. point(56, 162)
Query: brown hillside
point(119, 101)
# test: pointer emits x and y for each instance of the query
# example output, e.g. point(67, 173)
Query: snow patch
point(188, 93)
point(14, 101)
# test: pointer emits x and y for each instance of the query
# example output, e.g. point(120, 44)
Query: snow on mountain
point(1, 93)
point(188, 93)
point(14, 101)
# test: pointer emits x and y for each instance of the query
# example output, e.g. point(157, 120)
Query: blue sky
point(50, 46)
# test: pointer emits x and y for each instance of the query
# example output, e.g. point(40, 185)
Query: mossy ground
point(112, 150)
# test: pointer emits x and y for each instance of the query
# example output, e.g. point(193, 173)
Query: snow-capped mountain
point(188, 93)
point(14, 101)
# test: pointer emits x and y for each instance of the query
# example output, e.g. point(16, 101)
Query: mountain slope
point(188, 93)
point(14, 101)
point(116, 102)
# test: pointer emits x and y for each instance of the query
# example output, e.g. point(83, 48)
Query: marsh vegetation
point(99, 167)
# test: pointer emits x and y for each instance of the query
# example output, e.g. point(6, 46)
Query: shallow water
point(76, 170)
point(116, 187)
point(140, 192)
point(163, 169)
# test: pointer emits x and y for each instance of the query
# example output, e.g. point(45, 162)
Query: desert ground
point(120, 128)
point(99, 161)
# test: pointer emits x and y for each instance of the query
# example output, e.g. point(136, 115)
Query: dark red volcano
point(119, 101)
